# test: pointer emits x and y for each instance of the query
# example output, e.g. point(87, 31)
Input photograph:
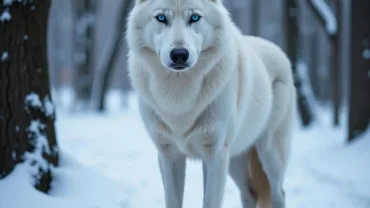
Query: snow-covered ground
point(108, 161)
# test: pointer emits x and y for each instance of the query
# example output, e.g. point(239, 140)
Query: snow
point(366, 53)
point(36, 128)
point(328, 15)
point(75, 187)
point(33, 99)
point(46, 106)
point(302, 72)
point(7, 2)
point(108, 161)
point(4, 56)
point(34, 160)
point(5, 16)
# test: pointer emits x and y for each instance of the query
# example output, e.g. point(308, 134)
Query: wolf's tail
point(258, 180)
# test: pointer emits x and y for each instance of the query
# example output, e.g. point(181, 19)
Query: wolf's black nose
point(179, 56)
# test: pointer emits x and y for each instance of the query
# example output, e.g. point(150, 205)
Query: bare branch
point(325, 15)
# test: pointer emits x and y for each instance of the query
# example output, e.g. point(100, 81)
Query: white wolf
point(208, 92)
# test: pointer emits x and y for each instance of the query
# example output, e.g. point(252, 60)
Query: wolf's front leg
point(216, 169)
point(172, 168)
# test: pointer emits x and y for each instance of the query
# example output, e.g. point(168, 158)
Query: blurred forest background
point(87, 51)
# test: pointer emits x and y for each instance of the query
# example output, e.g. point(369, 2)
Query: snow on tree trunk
point(27, 117)
point(360, 69)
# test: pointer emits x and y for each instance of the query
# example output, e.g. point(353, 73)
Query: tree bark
point(109, 60)
point(292, 35)
point(335, 65)
point(27, 115)
point(360, 69)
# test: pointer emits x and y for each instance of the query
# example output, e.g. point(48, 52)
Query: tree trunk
point(335, 65)
point(309, 39)
point(292, 35)
point(84, 15)
point(313, 64)
point(55, 48)
point(27, 115)
point(360, 69)
point(255, 15)
point(334, 39)
point(109, 60)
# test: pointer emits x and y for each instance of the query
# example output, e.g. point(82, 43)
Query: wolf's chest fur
point(174, 94)
point(177, 101)
point(185, 129)
point(181, 105)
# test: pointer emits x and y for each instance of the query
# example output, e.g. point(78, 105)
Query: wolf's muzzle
point(179, 57)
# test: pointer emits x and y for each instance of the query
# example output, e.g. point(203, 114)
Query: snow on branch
point(326, 15)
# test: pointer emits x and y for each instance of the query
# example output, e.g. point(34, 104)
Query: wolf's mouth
point(179, 66)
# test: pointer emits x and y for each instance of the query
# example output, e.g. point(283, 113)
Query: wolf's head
point(175, 33)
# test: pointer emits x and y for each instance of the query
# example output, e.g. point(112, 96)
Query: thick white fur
point(237, 92)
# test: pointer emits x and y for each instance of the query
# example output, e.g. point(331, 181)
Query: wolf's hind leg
point(238, 171)
point(273, 146)
point(274, 168)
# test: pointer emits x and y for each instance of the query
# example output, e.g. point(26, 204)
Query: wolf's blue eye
point(161, 18)
point(194, 18)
